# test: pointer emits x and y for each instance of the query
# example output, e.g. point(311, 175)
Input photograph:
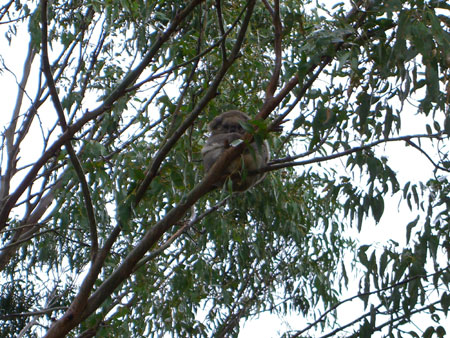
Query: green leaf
point(365, 330)
point(440, 331)
point(428, 332)
point(363, 109)
point(437, 126)
point(409, 228)
point(383, 262)
point(445, 302)
point(377, 205)
point(388, 122)
point(299, 121)
point(447, 125)
point(362, 255)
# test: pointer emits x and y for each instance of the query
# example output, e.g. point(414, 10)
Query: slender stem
point(62, 120)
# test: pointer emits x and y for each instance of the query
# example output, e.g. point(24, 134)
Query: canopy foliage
point(109, 226)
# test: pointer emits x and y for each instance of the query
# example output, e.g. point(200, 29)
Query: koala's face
point(229, 127)
point(228, 122)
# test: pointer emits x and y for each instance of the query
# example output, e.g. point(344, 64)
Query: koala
point(225, 129)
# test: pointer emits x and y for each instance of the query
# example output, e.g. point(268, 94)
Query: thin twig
point(437, 166)
point(179, 232)
point(221, 29)
point(34, 313)
point(344, 153)
point(403, 282)
point(306, 153)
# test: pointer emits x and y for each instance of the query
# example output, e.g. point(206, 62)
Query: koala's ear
point(215, 123)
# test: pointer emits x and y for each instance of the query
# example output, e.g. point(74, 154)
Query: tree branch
point(179, 232)
point(193, 59)
point(400, 319)
point(34, 313)
point(221, 29)
point(11, 148)
point(132, 76)
point(355, 14)
point(278, 165)
point(72, 317)
point(174, 215)
point(275, 13)
point(62, 120)
point(427, 156)
point(353, 322)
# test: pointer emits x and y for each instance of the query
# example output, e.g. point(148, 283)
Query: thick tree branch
point(275, 13)
point(271, 103)
point(72, 316)
point(174, 215)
